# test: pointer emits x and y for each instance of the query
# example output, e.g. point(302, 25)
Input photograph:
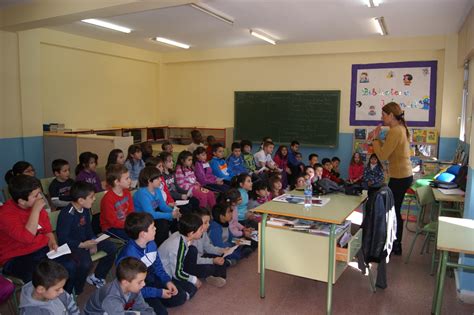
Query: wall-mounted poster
point(410, 84)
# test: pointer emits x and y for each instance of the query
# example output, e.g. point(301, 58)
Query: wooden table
point(335, 212)
point(454, 235)
point(444, 200)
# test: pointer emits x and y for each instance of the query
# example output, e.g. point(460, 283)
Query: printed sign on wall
point(410, 84)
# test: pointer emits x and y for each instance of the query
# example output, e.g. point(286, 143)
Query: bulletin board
point(410, 84)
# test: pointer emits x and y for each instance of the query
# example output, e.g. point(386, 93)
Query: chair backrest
point(424, 196)
point(53, 219)
point(96, 205)
point(45, 182)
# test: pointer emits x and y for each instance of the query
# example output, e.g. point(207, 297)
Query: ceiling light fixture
point(212, 12)
point(108, 25)
point(263, 36)
point(373, 3)
point(171, 42)
point(380, 25)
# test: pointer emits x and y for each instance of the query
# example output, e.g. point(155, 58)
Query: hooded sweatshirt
point(63, 304)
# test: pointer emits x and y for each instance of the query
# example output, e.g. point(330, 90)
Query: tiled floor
point(410, 290)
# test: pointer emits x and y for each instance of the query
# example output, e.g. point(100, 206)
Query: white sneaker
point(97, 282)
point(216, 281)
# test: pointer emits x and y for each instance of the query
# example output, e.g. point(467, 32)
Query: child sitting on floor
point(259, 195)
point(45, 294)
point(204, 259)
point(235, 161)
point(173, 252)
point(218, 164)
point(123, 294)
point(356, 169)
point(222, 237)
point(159, 290)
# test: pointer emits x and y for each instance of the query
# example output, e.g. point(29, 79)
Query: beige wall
point(202, 84)
point(10, 110)
point(97, 84)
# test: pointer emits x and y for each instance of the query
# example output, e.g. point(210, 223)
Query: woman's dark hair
point(132, 149)
point(84, 160)
point(183, 155)
point(112, 159)
point(17, 169)
point(239, 179)
point(278, 152)
point(378, 161)
point(199, 150)
point(398, 113)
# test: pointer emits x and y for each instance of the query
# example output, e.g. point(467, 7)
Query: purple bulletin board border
point(433, 64)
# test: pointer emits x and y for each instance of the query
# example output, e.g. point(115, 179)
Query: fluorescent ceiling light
point(212, 12)
point(171, 42)
point(263, 36)
point(380, 25)
point(108, 25)
point(373, 3)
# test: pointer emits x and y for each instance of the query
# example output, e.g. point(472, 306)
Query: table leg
point(435, 294)
point(439, 295)
point(331, 259)
point(262, 254)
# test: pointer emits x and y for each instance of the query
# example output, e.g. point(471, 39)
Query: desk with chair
point(326, 264)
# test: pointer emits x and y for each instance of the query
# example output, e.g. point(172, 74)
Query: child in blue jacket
point(222, 237)
point(235, 161)
point(219, 165)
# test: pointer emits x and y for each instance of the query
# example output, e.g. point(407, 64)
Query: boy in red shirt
point(117, 202)
point(25, 231)
point(327, 167)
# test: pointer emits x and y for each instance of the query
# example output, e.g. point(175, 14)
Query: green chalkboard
point(311, 117)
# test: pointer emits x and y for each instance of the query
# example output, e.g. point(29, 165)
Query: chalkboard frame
point(334, 144)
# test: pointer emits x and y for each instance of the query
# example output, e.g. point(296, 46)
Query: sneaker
point(97, 282)
point(230, 262)
point(216, 281)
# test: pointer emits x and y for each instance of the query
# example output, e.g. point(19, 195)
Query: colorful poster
point(410, 84)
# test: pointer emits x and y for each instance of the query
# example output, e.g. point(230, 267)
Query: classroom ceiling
point(287, 21)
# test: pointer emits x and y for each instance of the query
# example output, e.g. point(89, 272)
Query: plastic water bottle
point(308, 194)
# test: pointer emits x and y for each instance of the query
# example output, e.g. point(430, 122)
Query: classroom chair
point(53, 218)
point(424, 201)
point(45, 182)
point(455, 235)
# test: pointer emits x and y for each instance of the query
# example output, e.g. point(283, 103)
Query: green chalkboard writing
point(311, 117)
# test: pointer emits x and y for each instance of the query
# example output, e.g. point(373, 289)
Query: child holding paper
point(204, 259)
point(75, 229)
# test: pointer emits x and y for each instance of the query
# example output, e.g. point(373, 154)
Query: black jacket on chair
point(374, 225)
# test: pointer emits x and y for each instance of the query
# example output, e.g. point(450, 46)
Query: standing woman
point(395, 149)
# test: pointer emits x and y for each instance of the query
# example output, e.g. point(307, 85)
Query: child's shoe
point(216, 281)
point(97, 282)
